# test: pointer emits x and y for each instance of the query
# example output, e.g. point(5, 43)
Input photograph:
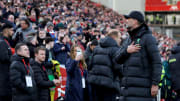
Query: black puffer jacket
point(174, 63)
point(104, 71)
point(141, 70)
point(18, 72)
point(5, 54)
point(42, 80)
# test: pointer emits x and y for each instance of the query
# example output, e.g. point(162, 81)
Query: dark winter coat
point(5, 55)
point(74, 90)
point(174, 63)
point(104, 70)
point(88, 56)
point(18, 71)
point(141, 70)
point(42, 81)
point(61, 55)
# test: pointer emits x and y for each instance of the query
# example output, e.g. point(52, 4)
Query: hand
point(133, 48)
point(154, 90)
point(63, 48)
point(56, 75)
point(79, 57)
point(88, 43)
point(57, 82)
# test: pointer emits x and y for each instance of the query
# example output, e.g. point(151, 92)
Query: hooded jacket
point(104, 71)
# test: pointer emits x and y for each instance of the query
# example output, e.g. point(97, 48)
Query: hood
point(34, 63)
point(108, 42)
point(16, 57)
point(28, 29)
point(140, 31)
point(176, 50)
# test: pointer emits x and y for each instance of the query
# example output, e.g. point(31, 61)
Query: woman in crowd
point(76, 76)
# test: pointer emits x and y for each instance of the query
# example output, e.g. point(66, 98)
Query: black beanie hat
point(136, 15)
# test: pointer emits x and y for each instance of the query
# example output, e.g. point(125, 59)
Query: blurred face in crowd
point(33, 14)
point(51, 44)
point(24, 51)
point(92, 47)
point(96, 33)
point(40, 56)
point(62, 31)
point(8, 32)
point(11, 18)
point(24, 25)
point(67, 38)
point(50, 28)
point(42, 34)
point(80, 37)
point(12, 9)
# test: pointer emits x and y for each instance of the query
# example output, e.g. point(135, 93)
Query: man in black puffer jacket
point(174, 63)
point(41, 77)
point(23, 88)
point(141, 62)
point(104, 72)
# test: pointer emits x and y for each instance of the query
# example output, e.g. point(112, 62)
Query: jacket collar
point(140, 31)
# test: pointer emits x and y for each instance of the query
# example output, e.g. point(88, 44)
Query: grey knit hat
point(49, 24)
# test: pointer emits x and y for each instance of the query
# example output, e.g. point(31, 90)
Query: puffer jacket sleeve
point(116, 66)
point(121, 55)
point(154, 55)
point(15, 77)
point(39, 79)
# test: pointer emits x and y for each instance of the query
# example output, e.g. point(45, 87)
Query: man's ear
point(35, 54)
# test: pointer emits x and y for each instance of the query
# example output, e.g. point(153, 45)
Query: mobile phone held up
point(78, 52)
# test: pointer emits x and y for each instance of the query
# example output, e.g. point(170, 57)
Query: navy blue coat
point(74, 90)
point(61, 55)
